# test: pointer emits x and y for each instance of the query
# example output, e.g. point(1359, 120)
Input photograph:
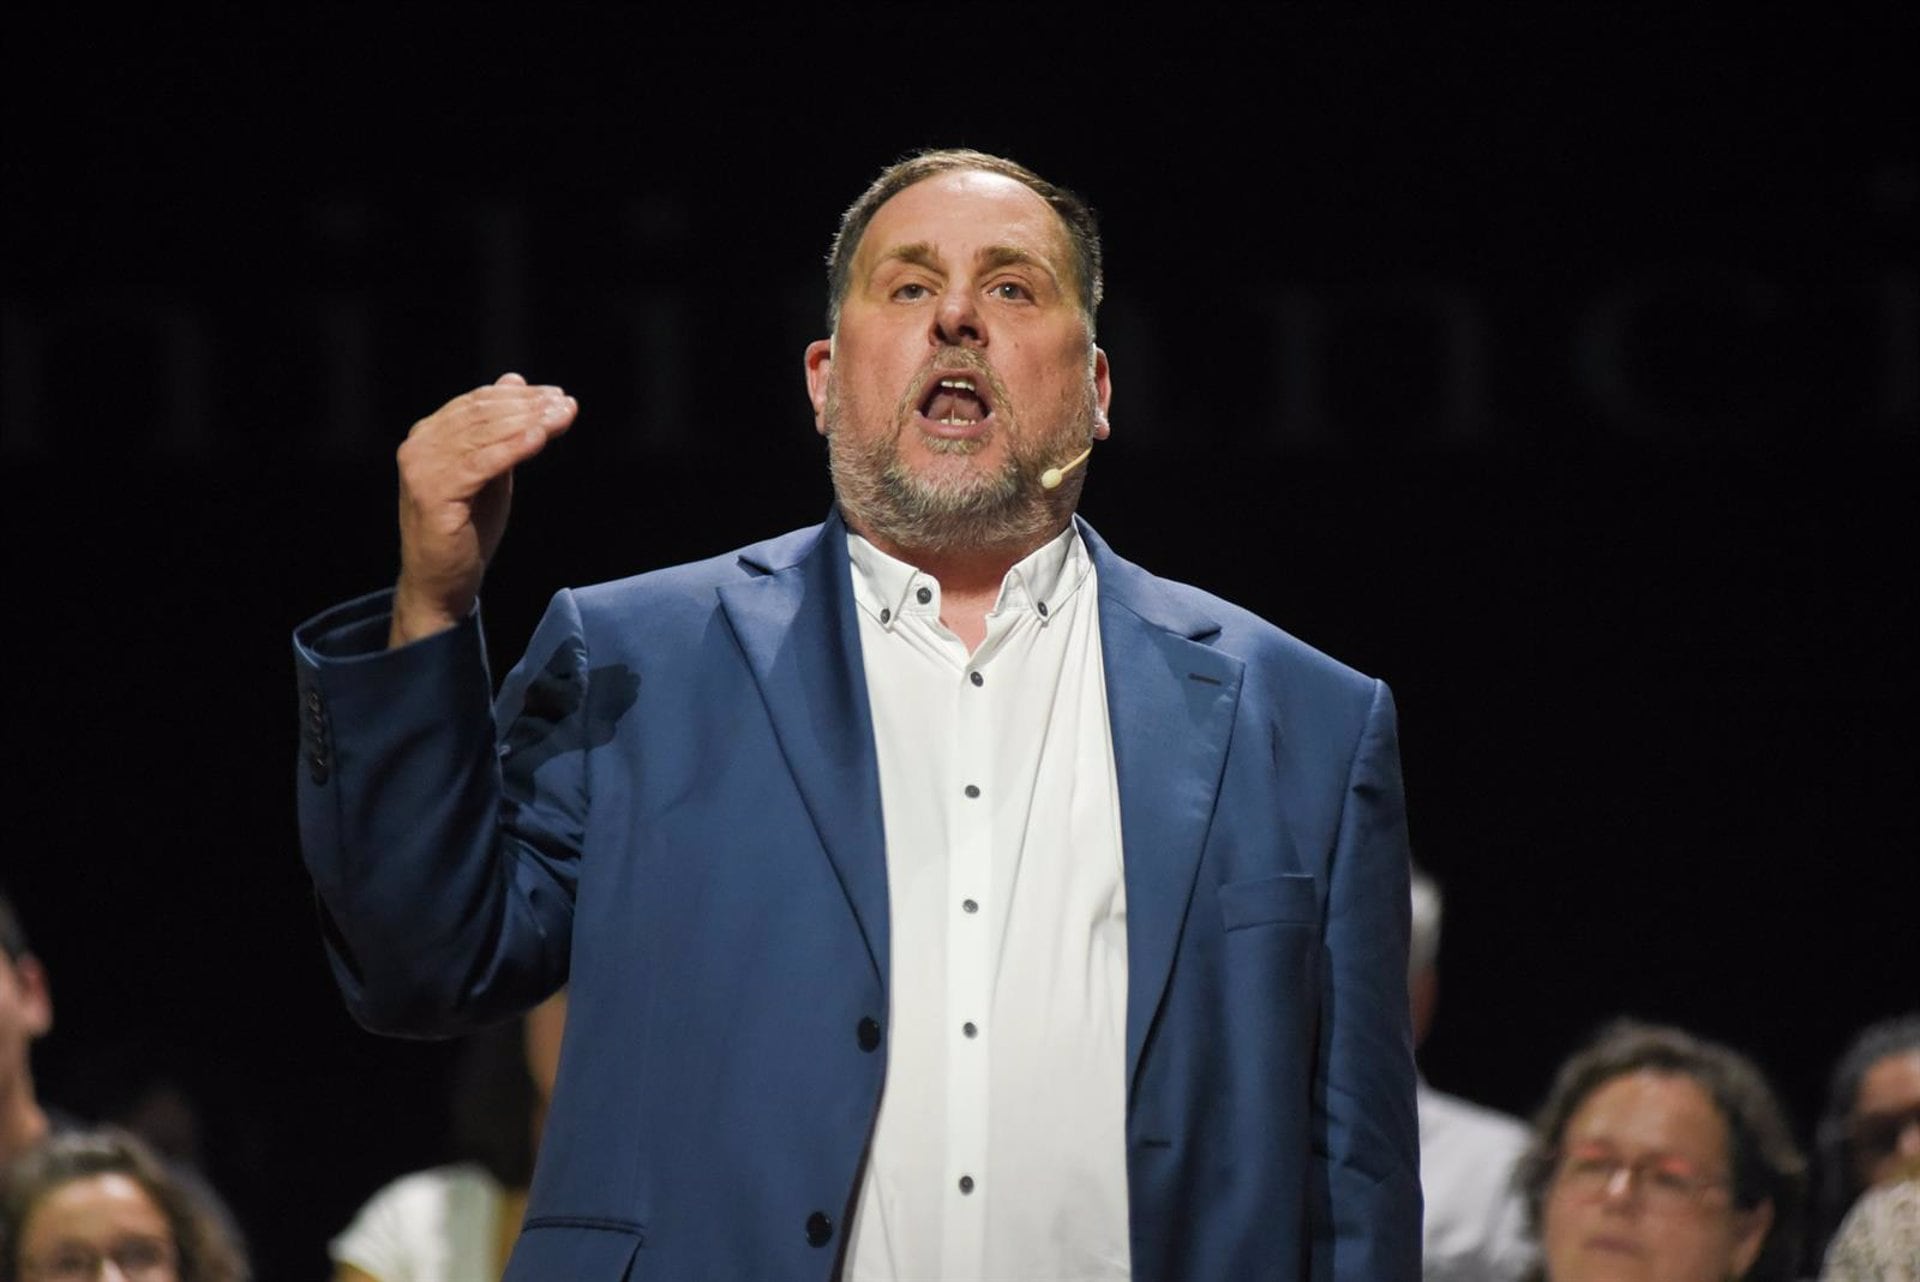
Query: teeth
point(958, 384)
point(958, 422)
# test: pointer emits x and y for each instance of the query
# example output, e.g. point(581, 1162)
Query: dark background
point(1563, 371)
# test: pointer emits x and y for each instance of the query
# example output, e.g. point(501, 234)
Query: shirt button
point(968, 906)
point(969, 1029)
point(869, 1033)
point(966, 1184)
point(972, 790)
point(924, 595)
point(885, 614)
point(819, 1229)
point(1042, 607)
point(976, 678)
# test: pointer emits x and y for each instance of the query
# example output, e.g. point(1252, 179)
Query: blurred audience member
point(1662, 1157)
point(1879, 1241)
point(457, 1223)
point(1871, 1125)
point(88, 1205)
point(1475, 1227)
point(26, 1014)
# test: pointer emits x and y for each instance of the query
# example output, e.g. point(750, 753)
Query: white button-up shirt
point(1000, 1149)
point(1476, 1224)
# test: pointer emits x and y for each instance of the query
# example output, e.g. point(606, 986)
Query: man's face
point(1885, 1125)
point(26, 1012)
point(961, 370)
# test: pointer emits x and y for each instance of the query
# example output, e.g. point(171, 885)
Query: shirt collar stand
point(885, 586)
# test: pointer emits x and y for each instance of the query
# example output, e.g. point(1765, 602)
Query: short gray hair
point(1423, 946)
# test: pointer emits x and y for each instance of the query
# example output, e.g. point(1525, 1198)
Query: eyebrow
point(995, 256)
point(918, 254)
point(922, 254)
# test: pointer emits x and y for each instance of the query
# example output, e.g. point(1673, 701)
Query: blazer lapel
point(1172, 700)
point(796, 624)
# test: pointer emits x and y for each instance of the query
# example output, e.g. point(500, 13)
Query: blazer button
point(819, 1229)
point(869, 1034)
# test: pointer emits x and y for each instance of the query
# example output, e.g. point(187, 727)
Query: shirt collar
point(1042, 581)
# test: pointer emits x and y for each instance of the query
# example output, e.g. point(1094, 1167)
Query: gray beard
point(881, 496)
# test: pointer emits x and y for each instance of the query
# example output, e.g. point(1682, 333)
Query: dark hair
point(209, 1249)
point(493, 1103)
point(1767, 1164)
point(1835, 1183)
point(1082, 228)
point(13, 936)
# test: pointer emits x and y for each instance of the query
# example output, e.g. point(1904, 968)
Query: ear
point(541, 1031)
point(36, 998)
point(819, 367)
point(1750, 1234)
point(1423, 994)
point(1103, 395)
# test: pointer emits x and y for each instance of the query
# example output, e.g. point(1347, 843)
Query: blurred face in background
point(99, 1226)
point(1642, 1191)
point(1884, 1130)
point(26, 1012)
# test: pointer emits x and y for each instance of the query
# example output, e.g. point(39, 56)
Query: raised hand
point(456, 484)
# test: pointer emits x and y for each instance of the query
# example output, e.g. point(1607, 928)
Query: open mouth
point(956, 400)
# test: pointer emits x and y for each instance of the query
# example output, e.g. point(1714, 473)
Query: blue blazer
point(674, 808)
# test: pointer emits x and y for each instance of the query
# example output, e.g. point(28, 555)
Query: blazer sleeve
point(1366, 1125)
point(443, 850)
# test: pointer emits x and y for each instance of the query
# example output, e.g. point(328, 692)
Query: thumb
point(509, 380)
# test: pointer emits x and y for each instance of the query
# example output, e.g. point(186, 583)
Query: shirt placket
point(970, 947)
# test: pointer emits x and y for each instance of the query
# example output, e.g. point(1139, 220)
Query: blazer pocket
point(1289, 897)
point(574, 1248)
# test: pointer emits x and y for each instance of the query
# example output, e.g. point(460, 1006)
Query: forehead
point(957, 214)
point(1648, 1111)
point(93, 1208)
point(1892, 1083)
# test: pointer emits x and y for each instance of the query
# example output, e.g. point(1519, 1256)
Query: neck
point(23, 1123)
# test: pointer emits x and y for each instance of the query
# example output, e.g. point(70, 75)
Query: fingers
point(456, 469)
point(481, 435)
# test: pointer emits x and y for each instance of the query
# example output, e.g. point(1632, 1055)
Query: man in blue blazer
point(693, 804)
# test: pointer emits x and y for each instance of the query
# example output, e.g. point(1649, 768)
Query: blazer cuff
point(357, 630)
point(346, 676)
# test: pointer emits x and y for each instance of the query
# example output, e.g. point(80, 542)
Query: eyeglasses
point(1666, 1183)
point(139, 1259)
point(1875, 1135)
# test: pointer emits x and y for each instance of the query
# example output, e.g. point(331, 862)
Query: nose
point(1621, 1185)
point(956, 320)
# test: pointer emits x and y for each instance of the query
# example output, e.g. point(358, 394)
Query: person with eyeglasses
point(1662, 1157)
point(86, 1206)
point(1869, 1133)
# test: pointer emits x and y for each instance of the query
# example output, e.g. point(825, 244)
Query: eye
point(911, 292)
point(1011, 291)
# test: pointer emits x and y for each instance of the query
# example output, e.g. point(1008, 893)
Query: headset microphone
point(1051, 478)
